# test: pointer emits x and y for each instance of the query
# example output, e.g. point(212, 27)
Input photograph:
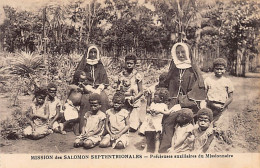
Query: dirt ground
point(243, 122)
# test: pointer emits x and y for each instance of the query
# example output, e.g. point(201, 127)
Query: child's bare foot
point(63, 132)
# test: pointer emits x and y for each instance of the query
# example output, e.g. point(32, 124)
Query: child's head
point(219, 66)
point(40, 95)
point(130, 61)
point(52, 90)
point(80, 77)
point(184, 117)
point(205, 116)
point(161, 95)
point(95, 102)
point(162, 80)
point(118, 101)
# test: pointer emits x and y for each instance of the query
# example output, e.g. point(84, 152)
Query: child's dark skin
point(39, 102)
point(94, 107)
point(51, 95)
point(204, 123)
point(219, 71)
point(129, 67)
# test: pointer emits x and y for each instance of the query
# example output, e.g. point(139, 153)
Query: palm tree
point(25, 66)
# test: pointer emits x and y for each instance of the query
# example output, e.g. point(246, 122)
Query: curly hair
point(184, 117)
point(163, 93)
point(206, 111)
point(51, 85)
point(220, 61)
point(95, 97)
point(119, 97)
point(77, 75)
point(40, 92)
point(130, 56)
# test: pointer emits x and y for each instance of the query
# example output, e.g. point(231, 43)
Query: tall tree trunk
point(240, 62)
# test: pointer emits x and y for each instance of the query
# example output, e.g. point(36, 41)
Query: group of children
point(111, 127)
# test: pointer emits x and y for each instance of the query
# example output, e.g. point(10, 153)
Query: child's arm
point(140, 91)
point(108, 126)
point(228, 101)
point(206, 146)
point(31, 118)
point(181, 140)
point(56, 116)
point(125, 129)
point(100, 125)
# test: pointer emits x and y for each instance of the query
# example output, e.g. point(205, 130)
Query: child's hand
point(191, 138)
point(116, 136)
point(112, 137)
point(132, 99)
point(170, 150)
point(222, 108)
point(33, 129)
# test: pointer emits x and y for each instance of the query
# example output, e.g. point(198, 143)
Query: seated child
point(54, 106)
point(39, 115)
point(117, 124)
point(182, 140)
point(94, 124)
point(152, 125)
point(203, 133)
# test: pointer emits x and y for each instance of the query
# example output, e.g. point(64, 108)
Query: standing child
point(71, 107)
point(219, 90)
point(130, 82)
point(203, 133)
point(182, 140)
point(94, 124)
point(117, 124)
point(152, 125)
point(39, 115)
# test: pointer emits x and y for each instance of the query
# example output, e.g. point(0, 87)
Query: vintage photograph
point(160, 77)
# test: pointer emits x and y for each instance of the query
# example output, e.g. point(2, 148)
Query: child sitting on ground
point(94, 124)
point(203, 133)
point(117, 124)
point(39, 115)
point(182, 140)
point(54, 106)
point(219, 95)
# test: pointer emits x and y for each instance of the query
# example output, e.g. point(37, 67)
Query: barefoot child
point(130, 82)
point(70, 108)
point(94, 124)
point(54, 106)
point(219, 95)
point(203, 133)
point(152, 125)
point(117, 124)
point(182, 140)
point(39, 115)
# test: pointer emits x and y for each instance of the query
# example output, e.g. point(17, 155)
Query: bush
point(12, 128)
